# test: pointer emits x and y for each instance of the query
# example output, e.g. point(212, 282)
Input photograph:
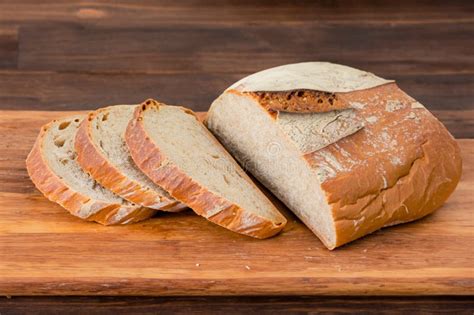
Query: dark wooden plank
point(387, 49)
point(8, 48)
point(459, 122)
point(169, 12)
point(237, 305)
point(438, 91)
point(79, 91)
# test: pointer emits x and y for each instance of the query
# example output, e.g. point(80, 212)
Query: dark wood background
point(57, 55)
point(61, 55)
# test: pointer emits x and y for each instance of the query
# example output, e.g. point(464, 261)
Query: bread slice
point(388, 161)
point(54, 170)
point(178, 153)
point(103, 153)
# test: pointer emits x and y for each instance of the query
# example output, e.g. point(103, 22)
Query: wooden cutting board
point(46, 251)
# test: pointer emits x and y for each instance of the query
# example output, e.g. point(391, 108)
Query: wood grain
point(443, 82)
point(142, 13)
point(245, 49)
point(246, 305)
point(45, 251)
point(73, 55)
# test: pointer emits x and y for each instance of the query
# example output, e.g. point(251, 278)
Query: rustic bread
point(389, 162)
point(54, 170)
point(178, 153)
point(103, 153)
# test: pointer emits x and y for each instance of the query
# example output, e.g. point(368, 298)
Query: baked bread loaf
point(178, 153)
point(103, 153)
point(348, 152)
point(54, 170)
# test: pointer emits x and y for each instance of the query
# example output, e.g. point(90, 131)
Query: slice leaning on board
point(346, 151)
point(386, 161)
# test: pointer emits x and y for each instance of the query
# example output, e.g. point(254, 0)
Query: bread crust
point(360, 200)
point(164, 173)
point(78, 204)
point(400, 167)
point(423, 169)
point(93, 161)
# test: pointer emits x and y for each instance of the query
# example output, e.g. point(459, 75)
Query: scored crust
point(164, 173)
point(75, 202)
point(307, 87)
point(94, 162)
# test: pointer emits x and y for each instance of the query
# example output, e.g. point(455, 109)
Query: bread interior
point(108, 129)
point(254, 138)
point(187, 143)
point(58, 151)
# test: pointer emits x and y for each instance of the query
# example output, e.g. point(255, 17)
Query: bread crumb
point(247, 267)
point(197, 265)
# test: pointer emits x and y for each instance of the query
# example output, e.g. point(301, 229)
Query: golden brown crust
point(76, 203)
point(402, 166)
point(299, 101)
point(93, 161)
point(164, 173)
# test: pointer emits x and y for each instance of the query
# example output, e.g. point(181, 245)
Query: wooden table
point(72, 55)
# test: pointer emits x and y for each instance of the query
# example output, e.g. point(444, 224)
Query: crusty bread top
point(307, 87)
point(316, 76)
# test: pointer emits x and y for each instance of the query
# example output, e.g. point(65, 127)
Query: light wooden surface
point(45, 251)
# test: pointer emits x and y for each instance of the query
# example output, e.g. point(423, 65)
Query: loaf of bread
point(174, 149)
point(54, 170)
point(103, 153)
point(348, 152)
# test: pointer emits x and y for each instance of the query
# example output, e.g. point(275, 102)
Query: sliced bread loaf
point(178, 153)
point(54, 170)
point(103, 153)
point(386, 161)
